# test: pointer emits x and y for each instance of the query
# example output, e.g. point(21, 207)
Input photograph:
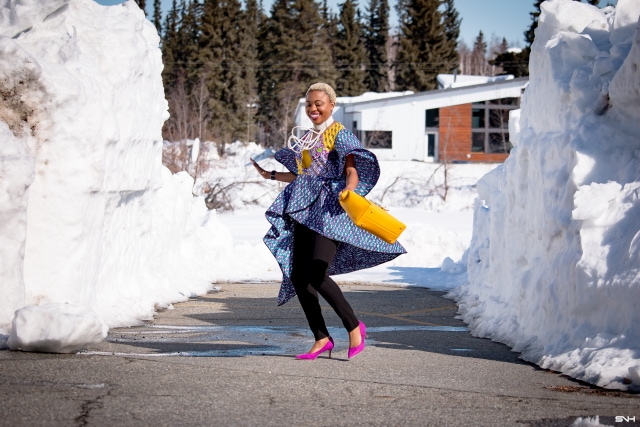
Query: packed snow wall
point(554, 263)
point(88, 214)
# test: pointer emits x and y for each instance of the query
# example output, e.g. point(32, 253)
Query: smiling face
point(318, 106)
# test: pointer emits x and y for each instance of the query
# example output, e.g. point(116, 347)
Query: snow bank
point(55, 328)
point(554, 263)
point(89, 217)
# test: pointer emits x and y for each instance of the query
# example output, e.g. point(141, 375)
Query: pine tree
point(479, 56)
point(221, 62)
point(376, 38)
point(331, 28)
point(517, 63)
point(502, 47)
point(250, 63)
point(451, 22)
point(514, 63)
point(422, 45)
point(179, 49)
point(157, 15)
point(169, 46)
point(293, 54)
point(349, 52)
point(529, 35)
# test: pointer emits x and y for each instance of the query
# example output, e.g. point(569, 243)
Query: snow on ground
point(412, 191)
point(88, 215)
point(554, 265)
point(95, 233)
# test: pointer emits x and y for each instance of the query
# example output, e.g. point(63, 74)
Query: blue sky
point(495, 18)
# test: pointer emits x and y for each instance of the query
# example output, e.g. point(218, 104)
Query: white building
point(465, 121)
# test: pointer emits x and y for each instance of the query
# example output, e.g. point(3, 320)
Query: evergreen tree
point(514, 63)
point(179, 49)
point(293, 54)
point(349, 52)
point(479, 55)
point(330, 24)
point(376, 38)
point(169, 46)
point(221, 69)
point(422, 45)
point(517, 63)
point(529, 35)
point(326, 15)
point(451, 22)
point(185, 41)
point(157, 15)
point(249, 41)
point(503, 47)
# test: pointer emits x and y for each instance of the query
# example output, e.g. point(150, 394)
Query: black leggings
point(312, 256)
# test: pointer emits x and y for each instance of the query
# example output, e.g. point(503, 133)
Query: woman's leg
point(312, 259)
point(303, 244)
point(325, 251)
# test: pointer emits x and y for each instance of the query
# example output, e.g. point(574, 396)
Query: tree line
point(233, 72)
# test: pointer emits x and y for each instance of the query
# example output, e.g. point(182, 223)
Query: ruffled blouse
point(312, 199)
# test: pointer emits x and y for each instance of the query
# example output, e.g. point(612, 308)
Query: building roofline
point(504, 84)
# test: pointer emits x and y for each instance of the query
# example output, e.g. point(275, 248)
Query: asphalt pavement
point(228, 359)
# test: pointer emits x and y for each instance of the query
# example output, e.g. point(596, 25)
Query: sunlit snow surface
point(554, 265)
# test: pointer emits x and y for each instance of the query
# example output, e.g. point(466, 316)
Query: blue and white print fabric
point(313, 201)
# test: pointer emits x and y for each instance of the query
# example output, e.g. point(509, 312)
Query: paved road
point(226, 359)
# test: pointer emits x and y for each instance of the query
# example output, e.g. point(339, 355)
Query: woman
point(311, 236)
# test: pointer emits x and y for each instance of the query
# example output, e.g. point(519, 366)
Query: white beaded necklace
point(309, 139)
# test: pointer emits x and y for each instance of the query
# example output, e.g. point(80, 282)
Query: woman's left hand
point(263, 173)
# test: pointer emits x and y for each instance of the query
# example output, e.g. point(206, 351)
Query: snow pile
point(554, 264)
point(68, 328)
point(88, 215)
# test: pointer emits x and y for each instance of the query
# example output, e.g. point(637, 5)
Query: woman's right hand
point(263, 173)
point(278, 176)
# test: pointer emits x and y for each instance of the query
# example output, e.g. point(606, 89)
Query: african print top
point(312, 199)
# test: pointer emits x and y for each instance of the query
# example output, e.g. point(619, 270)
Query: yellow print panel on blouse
point(304, 160)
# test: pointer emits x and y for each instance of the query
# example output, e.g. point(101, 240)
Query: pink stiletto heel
point(312, 356)
point(363, 334)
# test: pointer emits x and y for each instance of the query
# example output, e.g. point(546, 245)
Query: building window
point(514, 102)
point(376, 139)
point(477, 142)
point(432, 118)
point(477, 117)
point(499, 143)
point(490, 124)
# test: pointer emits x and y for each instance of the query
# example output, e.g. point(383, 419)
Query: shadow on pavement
point(231, 324)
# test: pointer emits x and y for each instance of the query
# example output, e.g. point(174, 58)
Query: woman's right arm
point(278, 176)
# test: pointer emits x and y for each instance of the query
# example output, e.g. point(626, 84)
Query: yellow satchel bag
point(371, 217)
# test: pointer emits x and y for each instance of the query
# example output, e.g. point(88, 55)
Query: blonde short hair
point(323, 87)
